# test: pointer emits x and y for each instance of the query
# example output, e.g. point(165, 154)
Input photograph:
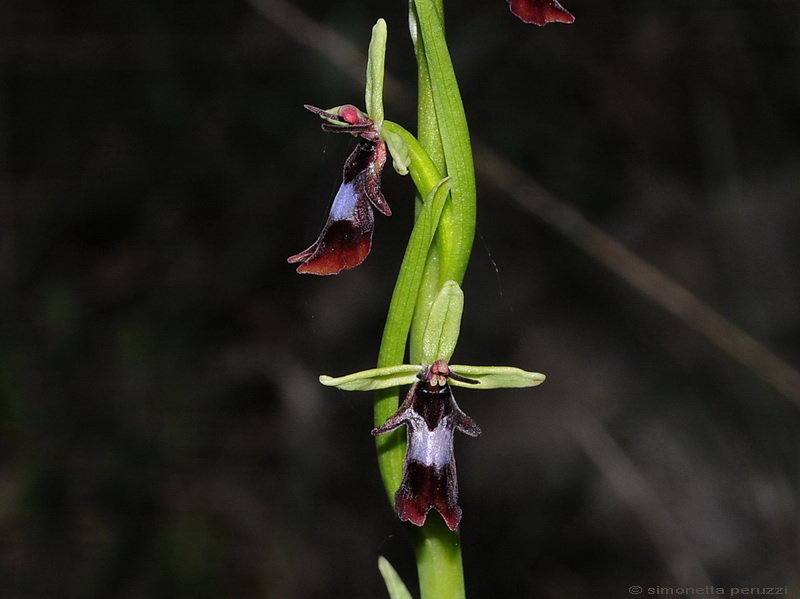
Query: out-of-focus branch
point(336, 49)
point(638, 273)
point(636, 492)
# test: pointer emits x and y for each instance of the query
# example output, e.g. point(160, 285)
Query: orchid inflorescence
point(427, 304)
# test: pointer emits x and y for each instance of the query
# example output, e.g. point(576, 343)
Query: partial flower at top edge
point(540, 12)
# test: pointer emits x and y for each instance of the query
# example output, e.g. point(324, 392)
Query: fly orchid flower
point(346, 238)
point(431, 417)
point(430, 413)
point(540, 12)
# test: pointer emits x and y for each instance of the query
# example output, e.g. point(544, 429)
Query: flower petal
point(375, 378)
point(346, 238)
point(540, 12)
point(495, 377)
point(342, 244)
point(425, 487)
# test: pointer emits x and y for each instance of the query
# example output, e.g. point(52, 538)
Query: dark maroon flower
point(431, 417)
point(346, 238)
point(540, 12)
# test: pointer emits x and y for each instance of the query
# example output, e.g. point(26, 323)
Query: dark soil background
point(162, 433)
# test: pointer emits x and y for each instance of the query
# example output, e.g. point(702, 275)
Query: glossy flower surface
point(540, 12)
point(431, 417)
point(346, 237)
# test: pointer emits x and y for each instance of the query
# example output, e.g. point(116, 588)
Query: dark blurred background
point(162, 431)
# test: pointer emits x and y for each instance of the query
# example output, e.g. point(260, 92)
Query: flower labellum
point(346, 238)
point(540, 12)
point(431, 417)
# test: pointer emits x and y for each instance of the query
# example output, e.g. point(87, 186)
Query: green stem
point(439, 565)
point(429, 262)
point(391, 447)
point(438, 550)
point(457, 229)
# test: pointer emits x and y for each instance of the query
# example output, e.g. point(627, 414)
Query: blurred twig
point(335, 48)
point(639, 495)
point(639, 273)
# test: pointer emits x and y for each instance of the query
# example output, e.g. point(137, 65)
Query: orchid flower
point(540, 12)
point(346, 238)
point(430, 413)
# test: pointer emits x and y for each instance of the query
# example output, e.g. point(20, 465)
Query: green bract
point(376, 58)
point(373, 98)
point(394, 584)
point(444, 321)
point(398, 148)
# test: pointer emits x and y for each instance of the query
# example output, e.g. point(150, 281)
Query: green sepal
point(394, 584)
point(488, 377)
point(376, 60)
point(420, 165)
point(444, 322)
point(495, 377)
point(398, 149)
point(375, 378)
